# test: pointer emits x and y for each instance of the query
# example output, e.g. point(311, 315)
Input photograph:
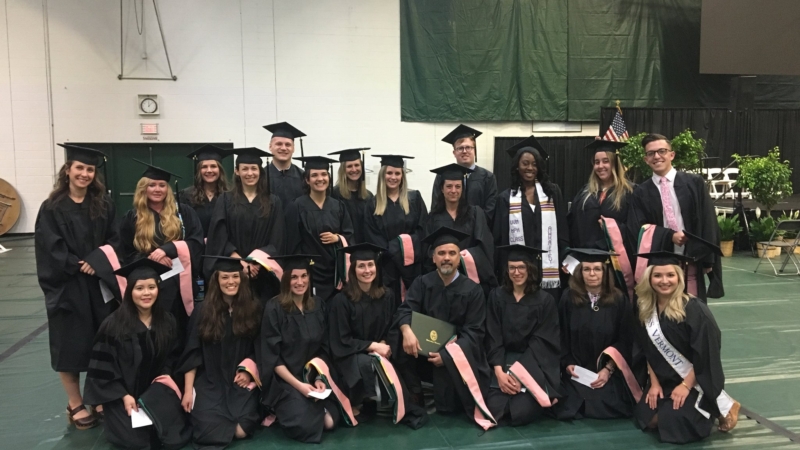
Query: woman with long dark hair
point(131, 367)
point(453, 211)
point(351, 188)
point(318, 224)
point(596, 334)
point(360, 317)
point(532, 213)
point(248, 223)
point(221, 381)
point(294, 358)
point(395, 220)
point(682, 344)
point(210, 182)
point(162, 229)
point(74, 233)
point(522, 341)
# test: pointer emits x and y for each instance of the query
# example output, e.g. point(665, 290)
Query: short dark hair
point(655, 137)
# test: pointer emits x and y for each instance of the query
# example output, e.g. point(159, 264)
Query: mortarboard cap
point(586, 255)
point(156, 173)
point(602, 145)
point(208, 152)
point(444, 235)
point(452, 172)
point(664, 258)
point(250, 155)
point(142, 269)
point(351, 154)
point(393, 160)
point(316, 162)
point(460, 132)
point(701, 247)
point(291, 262)
point(225, 263)
point(526, 145)
point(85, 155)
point(363, 252)
point(283, 129)
point(517, 252)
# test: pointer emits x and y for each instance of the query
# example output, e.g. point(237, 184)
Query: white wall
point(330, 67)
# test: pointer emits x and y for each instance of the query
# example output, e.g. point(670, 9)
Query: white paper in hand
point(177, 268)
point(585, 376)
point(571, 264)
point(106, 291)
point(140, 419)
point(320, 395)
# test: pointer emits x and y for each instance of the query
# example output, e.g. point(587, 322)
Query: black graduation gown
point(532, 225)
point(128, 367)
point(356, 207)
point(169, 289)
point(585, 333)
point(481, 191)
point(480, 243)
point(203, 210)
point(462, 304)
point(584, 228)
point(64, 234)
point(237, 226)
point(383, 231)
point(699, 218)
point(699, 339)
point(219, 404)
point(529, 328)
point(286, 184)
point(292, 339)
point(304, 223)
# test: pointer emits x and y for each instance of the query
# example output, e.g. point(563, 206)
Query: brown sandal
point(82, 424)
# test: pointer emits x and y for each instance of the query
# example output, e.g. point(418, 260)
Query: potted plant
point(688, 150)
point(761, 231)
point(728, 229)
point(766, 177)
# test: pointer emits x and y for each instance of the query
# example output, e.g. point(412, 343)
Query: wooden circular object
point(10, 205)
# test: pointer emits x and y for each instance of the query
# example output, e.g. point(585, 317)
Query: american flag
point(617, 131)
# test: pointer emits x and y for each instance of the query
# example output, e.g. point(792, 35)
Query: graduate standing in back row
point(286, 179)
point(351, 188)
point(209, 183)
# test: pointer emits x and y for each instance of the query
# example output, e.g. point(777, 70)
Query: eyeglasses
point(465, 149)
point(592, 269)
point(519, 269)
point(661, 152)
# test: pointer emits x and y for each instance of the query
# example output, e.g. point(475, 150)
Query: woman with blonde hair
point(395, 220)
point(681, 342)
point(168, 232)
point(351, 188)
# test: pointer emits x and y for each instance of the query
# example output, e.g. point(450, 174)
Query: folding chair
point(780, 229)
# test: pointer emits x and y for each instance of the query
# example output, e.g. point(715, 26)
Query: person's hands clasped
point(381, 348)
point(328, 238)
point(160, 256)
point(253, 269)
point(508, 384)
point(435, 359)
point(679, 395)
point(86, 268)
point(602, 379)
point(679, 238)
point(242, 379)
point(653, 395)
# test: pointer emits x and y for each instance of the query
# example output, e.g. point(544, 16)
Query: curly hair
point(245, 311)
point(647, 299)
point(144, 238)
point(198, 196)
point(95, 192)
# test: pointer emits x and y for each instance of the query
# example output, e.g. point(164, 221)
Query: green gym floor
point(760, 325)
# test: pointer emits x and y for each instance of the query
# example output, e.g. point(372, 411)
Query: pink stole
point(249, 366)
point(645, 246)
point(621, 262)
point(407, 247)
point(263, 259)
point(469, 265)
point(346, 263)
point(391, 375)
point(185, 277)
point(167, 381)
point(521, 373)
point(111, 255)
point(482, 416)
point(622, 365)
point(322, 369)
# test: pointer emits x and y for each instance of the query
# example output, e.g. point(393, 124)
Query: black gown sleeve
point(54, 262)
point(483, 234)
point(495, 348)
point(192, 356)
point(342, 341)
point(414, 299)
point(346, 224)
point(105, 380)
point(544, 346)
point(373, 232)
point(269, 346)
point(500, 228)
point(564, 318)
point(490, 191)
point(277, 237)
point(706, 342)
point(437, 187)
point(293, 226)
point(473, 328)
point(127, 232)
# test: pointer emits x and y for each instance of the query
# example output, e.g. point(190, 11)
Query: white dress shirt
point(673, 199)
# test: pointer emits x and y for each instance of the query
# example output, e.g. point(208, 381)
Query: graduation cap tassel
point(105, 175)
point(266, 171)
point(302, 154)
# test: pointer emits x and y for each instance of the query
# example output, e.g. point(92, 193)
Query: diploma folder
point(431, 333)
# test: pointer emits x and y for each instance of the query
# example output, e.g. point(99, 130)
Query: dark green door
point(123, 172)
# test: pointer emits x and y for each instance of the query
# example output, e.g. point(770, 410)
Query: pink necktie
point(669, 213)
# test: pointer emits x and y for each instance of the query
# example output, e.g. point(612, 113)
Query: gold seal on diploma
point(434, 336)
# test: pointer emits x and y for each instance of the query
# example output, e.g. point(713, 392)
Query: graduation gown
point(532, 226)
point(384, 230)
point(585, 333)
point(699, 339)
point(286, 184)
point(481, 191)
point(237, 226)
point(169, 289)
point(699, 218)
point(356, 207)
point(128, 367)
point(528, 329)
point(480, 243)
point(203, 210)
point(64, 234)
point(462, 304)
point(304, 223)
point(292, 339)
point(219, 403)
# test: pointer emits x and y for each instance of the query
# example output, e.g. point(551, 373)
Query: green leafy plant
point(687, 154)
point(761, 229)
point(766, 177)
point(728, 227)
point(793, 215)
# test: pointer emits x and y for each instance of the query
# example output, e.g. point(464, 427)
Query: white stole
point(516, 234)
point(551, 259)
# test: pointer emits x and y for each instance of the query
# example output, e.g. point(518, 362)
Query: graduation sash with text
point(516, 234)
point(550, 260)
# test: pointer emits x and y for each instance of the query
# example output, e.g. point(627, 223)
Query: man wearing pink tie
point(682, 218)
